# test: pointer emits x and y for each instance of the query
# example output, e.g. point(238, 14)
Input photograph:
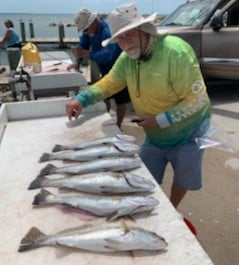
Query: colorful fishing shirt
point(168, 85)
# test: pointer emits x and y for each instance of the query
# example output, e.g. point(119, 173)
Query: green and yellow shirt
point(168, 85)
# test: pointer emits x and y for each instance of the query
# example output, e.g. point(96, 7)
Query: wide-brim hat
point(84, 18)
point(124, 18)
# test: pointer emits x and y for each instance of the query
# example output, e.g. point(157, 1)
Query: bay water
point(44, 25)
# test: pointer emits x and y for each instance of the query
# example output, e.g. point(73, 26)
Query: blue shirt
point(103, 56)
point(14, 38)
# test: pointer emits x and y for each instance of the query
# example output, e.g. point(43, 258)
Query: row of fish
point(103, 168)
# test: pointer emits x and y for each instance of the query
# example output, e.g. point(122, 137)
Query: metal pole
point(61, 35)
point(23, 32)
point(31, 29)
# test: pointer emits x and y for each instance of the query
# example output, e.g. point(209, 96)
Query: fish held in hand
point(105, 238)
point(100, 141)
point(119, 149)
point(98, 165)
point(100, 183)
point(111, 207)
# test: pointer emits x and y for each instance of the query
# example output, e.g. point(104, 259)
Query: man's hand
point(148, 122)
point(70, 67)
point(73, 109)
point(79, 52)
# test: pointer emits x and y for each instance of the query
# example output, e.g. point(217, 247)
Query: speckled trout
point(107, 238)
point(97, 165)
point(101, 183)
point(111, 207)
point(116, 150)
point(96, 142)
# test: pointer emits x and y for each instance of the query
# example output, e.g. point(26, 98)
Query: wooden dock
point(61, 40)
point(53, 40)
point(60, 43)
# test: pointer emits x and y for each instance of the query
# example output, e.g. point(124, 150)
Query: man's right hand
point(73, 109)
point(74, 50)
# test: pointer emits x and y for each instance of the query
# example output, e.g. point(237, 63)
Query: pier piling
point(31, 29)
point(23, 32)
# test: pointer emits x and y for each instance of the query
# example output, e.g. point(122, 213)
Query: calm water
point(42, 24)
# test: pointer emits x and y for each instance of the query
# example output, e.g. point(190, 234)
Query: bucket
point(30, 54)
point(14, 55)
point(191, 227)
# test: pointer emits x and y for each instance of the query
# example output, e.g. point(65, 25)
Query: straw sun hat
point(127, 17)
point(84, 18)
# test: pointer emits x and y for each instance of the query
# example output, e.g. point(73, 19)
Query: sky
point(72, 6)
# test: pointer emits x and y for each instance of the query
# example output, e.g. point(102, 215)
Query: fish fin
point(44, 157)
point(124, 226)
point(116, 214)
point(41, 197)
point(125, 137)
point(47, 170)
point(113, 243)
point(131, 218)
point(58, 148)
point(131, 254)
point(112, 216)
point(31, 240)
point(36, 183)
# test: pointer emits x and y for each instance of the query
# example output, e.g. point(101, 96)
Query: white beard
point(134, 53)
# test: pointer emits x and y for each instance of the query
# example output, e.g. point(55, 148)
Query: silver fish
point(111, 207)
point(96, 142)
point(116, 150)
point(101, 183)
point(98, 165)
point(110, 238)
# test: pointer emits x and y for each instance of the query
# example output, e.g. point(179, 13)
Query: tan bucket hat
point(84, 18)
point(124, 18)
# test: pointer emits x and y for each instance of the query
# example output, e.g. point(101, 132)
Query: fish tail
point(36, 183)
point(45, 157)
point(31, 240)
point(47, 170)
point(57, 148)
point(41, 197)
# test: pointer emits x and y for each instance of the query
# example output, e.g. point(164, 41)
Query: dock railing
point(61, 40)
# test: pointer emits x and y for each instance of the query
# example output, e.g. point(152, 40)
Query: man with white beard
point(167, 92)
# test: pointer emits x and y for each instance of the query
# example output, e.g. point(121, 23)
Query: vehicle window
point(190, 14)
point(231, 16)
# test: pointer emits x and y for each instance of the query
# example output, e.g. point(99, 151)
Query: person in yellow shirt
point(167, 91)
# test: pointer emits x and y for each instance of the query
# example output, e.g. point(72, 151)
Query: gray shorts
point(186, 162)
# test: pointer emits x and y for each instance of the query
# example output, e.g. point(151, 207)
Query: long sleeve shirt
point(168, 85)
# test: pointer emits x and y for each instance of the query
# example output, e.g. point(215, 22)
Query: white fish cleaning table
point(54, 79)
point(31, 128)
